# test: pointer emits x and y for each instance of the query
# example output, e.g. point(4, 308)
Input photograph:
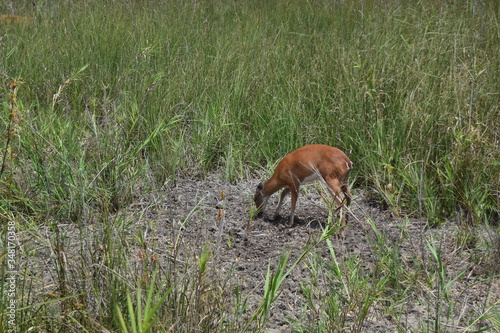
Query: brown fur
point(299, 167)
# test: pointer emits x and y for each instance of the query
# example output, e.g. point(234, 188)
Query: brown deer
point(304, 165)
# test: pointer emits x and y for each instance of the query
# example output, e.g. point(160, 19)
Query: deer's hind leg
point(335, 189)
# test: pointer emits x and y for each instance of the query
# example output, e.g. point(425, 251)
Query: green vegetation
point(120, 92)
point(103, 101)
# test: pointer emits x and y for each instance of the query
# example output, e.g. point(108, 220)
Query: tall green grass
point(117, 97)
point(124, 93)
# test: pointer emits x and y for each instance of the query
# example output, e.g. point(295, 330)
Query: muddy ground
point(217, 213)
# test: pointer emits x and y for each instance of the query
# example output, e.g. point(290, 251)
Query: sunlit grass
point(410, 92)
point(121, 96)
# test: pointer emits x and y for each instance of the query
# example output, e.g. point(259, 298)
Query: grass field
point(103, 101)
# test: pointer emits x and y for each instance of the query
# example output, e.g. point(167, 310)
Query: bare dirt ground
point(188, 216)
point(195, 213)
